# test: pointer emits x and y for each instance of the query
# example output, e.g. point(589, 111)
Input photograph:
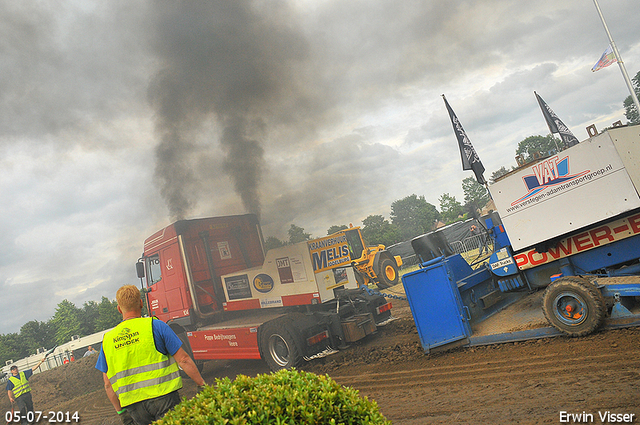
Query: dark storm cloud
point(254, 68)
point(63, 68)
point(72, 83)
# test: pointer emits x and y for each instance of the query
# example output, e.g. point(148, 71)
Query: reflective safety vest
point(20, 385)
point(136, 369)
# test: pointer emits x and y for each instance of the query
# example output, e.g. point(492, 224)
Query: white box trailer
point(590, 182)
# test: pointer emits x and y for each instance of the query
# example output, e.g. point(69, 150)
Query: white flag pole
point(619, 59)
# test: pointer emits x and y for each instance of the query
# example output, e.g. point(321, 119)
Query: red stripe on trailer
point(242, 304)
point(300, 299)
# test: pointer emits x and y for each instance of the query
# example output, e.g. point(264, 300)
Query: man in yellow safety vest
point(139, 360)
point(20, 392)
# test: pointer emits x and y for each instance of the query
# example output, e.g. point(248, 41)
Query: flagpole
point(619, 59)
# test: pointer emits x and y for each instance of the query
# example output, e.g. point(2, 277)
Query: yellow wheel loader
point(371, 264)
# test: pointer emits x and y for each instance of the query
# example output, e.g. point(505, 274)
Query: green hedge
point(284, 397)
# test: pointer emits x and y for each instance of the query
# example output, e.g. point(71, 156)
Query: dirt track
point(526, 383)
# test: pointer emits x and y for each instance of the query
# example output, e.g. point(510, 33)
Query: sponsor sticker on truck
point(291, 269)
point(329, 253)
point(263, 283)
point(238, 287)
point(224, 250)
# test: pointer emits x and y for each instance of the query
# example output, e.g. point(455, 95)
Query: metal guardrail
point(471, 243)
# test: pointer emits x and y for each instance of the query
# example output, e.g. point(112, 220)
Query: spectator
point(19, 390)
point(129, 350)
point(481, 238)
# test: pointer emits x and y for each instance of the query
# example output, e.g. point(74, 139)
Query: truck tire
point(388, 274)
point(574, 306)
point(187, 348)
point(279, 345)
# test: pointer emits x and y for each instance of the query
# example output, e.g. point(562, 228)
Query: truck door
point(167, 295)
point(157, 298)
point(436, 305)
point(203, 272)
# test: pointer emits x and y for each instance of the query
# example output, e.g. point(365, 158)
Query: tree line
point(67, 321)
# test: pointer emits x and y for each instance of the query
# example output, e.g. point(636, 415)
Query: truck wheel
point(388, 274)
point(279, 346)
point(187, 348)
point(574, 306)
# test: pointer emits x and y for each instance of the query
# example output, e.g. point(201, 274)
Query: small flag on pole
point(555, 124)
point(607, 58)
point(470, 159)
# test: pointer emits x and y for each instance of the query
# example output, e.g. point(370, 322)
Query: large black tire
point(388, 274)
point(280, 345)
point(574, 306)
point(186, 346)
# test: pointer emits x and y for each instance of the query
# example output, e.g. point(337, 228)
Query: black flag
point(470, 160)
point(555, 124)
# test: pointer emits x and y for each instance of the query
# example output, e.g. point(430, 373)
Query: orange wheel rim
point(390, 273)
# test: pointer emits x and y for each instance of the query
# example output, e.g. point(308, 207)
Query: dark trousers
point(24, 404)
point(146, 411)
point(483, 245)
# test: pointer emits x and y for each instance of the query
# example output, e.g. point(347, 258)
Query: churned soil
point(532, 382)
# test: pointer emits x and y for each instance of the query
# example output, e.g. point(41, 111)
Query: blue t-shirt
point(164, 338)
point(27, 374)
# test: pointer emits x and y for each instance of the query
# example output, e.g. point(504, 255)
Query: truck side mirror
point(140, 269)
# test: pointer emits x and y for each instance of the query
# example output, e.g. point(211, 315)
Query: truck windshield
point(355, 243)
point(154, 271)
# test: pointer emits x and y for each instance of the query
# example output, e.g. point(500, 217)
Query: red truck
point(210, 280)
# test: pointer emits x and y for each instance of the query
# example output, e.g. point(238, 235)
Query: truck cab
point(185, 260)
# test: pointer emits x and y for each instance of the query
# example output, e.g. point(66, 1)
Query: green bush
point(284, 397)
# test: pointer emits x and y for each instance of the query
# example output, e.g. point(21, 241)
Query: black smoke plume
point(227, 61)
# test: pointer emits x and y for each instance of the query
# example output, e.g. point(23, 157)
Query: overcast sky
point(118, 117)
